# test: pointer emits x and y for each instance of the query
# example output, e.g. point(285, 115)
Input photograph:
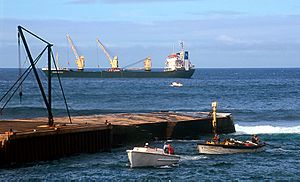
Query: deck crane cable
point(21, 79)
point(61, 88)
point(134, 63)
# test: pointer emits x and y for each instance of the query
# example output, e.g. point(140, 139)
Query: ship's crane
point(147, 63)
point(79, 59)
point(113, 62)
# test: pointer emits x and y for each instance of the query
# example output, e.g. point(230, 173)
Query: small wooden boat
point(229, 146)
point(150, 157)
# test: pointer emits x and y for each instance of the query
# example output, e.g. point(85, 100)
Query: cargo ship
point(177, 65)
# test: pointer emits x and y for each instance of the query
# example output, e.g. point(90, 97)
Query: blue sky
point(218, 33)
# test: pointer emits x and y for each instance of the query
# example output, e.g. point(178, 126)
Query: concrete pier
point(45, 143)
point(27, 140)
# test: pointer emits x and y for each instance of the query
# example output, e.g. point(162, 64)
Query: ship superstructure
point(179, 60)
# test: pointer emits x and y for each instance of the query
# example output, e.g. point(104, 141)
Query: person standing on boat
point(216, 139)
point(255, 139)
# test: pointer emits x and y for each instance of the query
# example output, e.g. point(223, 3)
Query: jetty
point(28, 140)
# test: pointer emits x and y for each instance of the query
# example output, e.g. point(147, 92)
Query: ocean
point(262, 101)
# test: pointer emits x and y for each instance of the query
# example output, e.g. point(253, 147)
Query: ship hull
point(123, 74)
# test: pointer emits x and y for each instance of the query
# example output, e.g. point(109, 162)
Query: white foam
point(192, 158)
point(164, 167)
point(266, 129)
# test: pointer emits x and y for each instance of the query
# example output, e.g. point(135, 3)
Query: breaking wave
point(266, 129)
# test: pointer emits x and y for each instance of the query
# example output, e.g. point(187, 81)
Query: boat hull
point(123, 74)
point(144, 159)
point(227, 149)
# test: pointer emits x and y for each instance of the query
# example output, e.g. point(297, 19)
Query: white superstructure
point(178, 61)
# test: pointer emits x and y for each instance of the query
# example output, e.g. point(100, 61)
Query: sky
point(217, 33)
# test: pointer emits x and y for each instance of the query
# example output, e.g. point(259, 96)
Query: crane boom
point(104, 50)
point(79, 59)
point(72, 46)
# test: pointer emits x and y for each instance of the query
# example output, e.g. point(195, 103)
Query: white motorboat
point(150, 157)
point(230, 146)
point(176, 84)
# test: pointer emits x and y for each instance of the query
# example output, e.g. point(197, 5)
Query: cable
point(134, 63)
point(27, 73)
point(29, 68)
point(34, 35)
point(62, 90)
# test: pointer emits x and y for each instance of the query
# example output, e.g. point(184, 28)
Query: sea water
point(262, 101)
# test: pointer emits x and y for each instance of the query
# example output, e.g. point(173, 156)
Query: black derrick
point(24, 75)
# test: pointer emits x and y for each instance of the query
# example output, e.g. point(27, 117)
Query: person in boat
point(216, 139)
point(146, 145)
point(170, 149)
point(166, 147)
point(255, 139)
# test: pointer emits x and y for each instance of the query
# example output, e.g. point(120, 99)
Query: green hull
point(123, 74)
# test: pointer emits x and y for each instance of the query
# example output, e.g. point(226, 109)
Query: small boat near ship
point(177, 65)
point(151, 157)
point(176, 84)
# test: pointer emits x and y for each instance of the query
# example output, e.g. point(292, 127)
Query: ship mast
point(214, 116)
point(182, 46)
